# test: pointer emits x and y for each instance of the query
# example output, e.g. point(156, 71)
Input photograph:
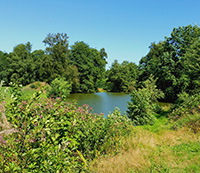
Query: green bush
point(185, 105)
point(144, 105)
point(186, 112)
point(2, 91)
point(59, 88)
point(54, 136)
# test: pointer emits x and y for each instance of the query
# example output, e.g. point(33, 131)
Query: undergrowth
point(48, 134)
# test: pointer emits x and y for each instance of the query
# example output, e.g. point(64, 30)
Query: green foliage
point(121, 77)
point(2, 92)
point(57, 53)
point(21, 65)
point(143, 106)
point(175, 62)
point(90, 64)
point(59, 88)
point(72, 76)
point(186, 112)
point(4, 66)
point(185, 104)
point(54, 136)
point(192, 67)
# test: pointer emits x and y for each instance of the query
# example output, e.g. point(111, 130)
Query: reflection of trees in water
point(102, 102)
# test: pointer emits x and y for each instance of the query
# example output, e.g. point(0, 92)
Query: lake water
point(102, 102)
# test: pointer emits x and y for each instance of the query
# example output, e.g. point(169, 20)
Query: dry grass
point(146, 151)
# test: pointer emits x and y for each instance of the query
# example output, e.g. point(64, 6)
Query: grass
point(27, 91)
point(146, 151)
point(156, 148)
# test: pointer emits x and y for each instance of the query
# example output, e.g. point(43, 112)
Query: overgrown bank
point(146, 151)
point(48, 134)
point(171, 144)
point(43, 132)
point(53, 135)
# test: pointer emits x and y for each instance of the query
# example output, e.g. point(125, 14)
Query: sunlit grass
point(27, 91)
point(147, 150)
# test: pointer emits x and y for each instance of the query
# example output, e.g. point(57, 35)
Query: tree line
point(82, 66)
point(174, 63)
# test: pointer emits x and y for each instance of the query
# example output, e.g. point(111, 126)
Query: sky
point(125, 28)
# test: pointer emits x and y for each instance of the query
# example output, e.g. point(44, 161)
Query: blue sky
point(125, 28)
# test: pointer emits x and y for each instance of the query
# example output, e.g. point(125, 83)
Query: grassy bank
point(155, 148)
point(64, 137)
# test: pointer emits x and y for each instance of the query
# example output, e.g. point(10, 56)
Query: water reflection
point(102, 102)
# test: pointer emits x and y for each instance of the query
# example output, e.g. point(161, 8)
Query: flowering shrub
point(52, 135)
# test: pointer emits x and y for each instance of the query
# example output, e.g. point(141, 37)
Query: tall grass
point(146, 151)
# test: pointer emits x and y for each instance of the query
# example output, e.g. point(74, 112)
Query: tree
point(144, 105)
point(90, 64)
point(46, 71)
point(21, 65)
point(4, 67)
point(192, 67)
point(58, 52)
point(59, 88)
point(166, 61)
point(38, 59)
point(72, 76)
point(121, 77)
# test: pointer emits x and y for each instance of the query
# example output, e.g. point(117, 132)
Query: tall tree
point(90, 63)
point(192, 67)
point(57, 49)
point(4, 67)
point(166, 61)
point(21, 65)
point(121, 77)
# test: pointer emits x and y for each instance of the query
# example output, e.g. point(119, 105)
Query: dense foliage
point(185, 105)
point(144, 105)
point(82, 66)
point(51, 135)
point(59, 88)
point(121, 77)
point(91, 66)
point(175, 62)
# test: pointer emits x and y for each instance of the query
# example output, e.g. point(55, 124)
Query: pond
point(102, 102)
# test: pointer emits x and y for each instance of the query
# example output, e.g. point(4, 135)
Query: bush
point(185, 105)
point(190, 121)
point(55, 136)
point(144, 105)
point(186, 112)
point(2, 91)
point(59, 88)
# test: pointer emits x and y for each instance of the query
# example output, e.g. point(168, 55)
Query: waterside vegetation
point(41, 132)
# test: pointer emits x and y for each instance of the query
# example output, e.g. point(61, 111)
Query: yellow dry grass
point(144, 151)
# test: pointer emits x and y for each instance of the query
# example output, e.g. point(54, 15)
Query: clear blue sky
point(125, 28)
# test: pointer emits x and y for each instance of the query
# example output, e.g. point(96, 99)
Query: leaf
point(83, 159)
